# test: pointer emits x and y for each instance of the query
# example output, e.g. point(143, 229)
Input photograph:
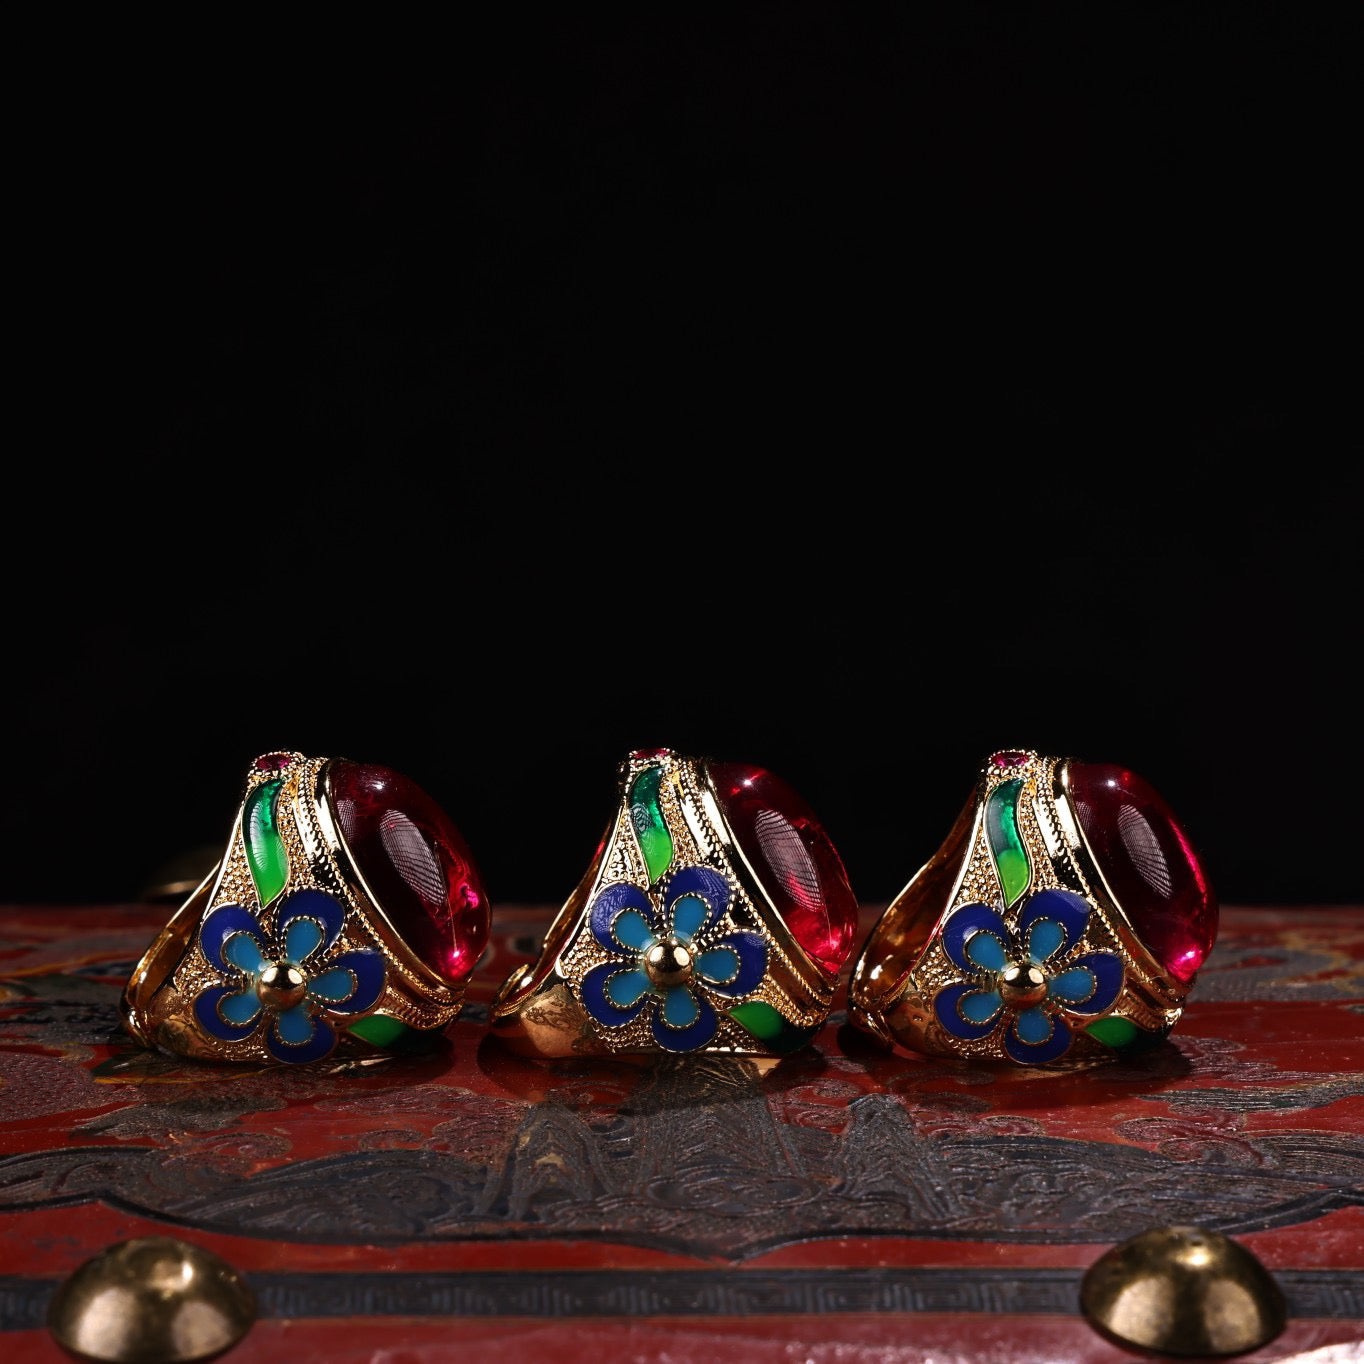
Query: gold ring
point(346, 909)
point(1065, 913)
point(714, 918)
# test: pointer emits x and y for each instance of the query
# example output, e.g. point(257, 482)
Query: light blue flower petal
point(946, 1005)
point(1073, 986)
point(316, 1038)
point(752, 953)
point(212, 1022)
point(324, 910)
point(362, 969)
point(219, 927)
point(294, 1025)
point(632, 930)
point(334, 985)
point(599, 1004)
point(607, 906)
point(1069, 911)
point(980, 1006)
point(986, 951)
point(243, 951)
point(300, 938)
point(625, 987)
point(240, 1008)
point(965, 923)
point(1044, 937)
point(680, 1009)
point(1053, 1033)
point(689, 913)
point(1033, 1026)
point(686, 1039)
point(1105, 975)
point(719, 966)
point(708, 887)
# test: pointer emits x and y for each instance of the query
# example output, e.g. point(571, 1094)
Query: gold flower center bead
point(1021, 986)
point(281, 986)
point(669, 963)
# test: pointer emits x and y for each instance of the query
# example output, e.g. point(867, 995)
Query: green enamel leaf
point(265, 852)
point(646, 815)
point(1113, 1031)
point(1006, 843)
point(770, 1028)
point(762, 1020)
point(379, 1029)
point(1124, 1036)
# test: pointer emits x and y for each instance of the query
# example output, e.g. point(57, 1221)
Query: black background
point(847, 390)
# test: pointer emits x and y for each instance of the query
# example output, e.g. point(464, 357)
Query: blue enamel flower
point(285, 981)
point(669, 957)
point(1026, 982)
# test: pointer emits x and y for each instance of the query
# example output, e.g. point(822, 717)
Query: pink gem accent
point(415, 861)
point(1009, 758)
point(644, 755)
point(272, 762)
point(1149, 864)
point(789, 850)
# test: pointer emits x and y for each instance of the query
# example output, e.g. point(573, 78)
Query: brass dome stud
point(1183, 1290)
point(151, 1300)
point(669, 963)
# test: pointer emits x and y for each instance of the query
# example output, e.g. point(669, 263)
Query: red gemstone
point(272, 762)
point(781, 837)
point(1009, 758)
point(415, 862)
point(1149, 864)
point(644, 755)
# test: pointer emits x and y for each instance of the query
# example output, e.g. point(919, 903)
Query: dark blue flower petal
point(945, 1005)
point(315, 1034)
point(609, 903)
point(706, 886)
point(689, 1038)
point(1054, 1044)
point(1104, 969)
point(223, 923)
point(599, 1003)
point(1066, 908)
point(323, 909)
point(365, 966)
point(964, 922)
point(213, 1023)
point(751, 949)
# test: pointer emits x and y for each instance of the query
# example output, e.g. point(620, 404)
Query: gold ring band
point(714, 918)
point(1066, 913)
point(346, 910)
